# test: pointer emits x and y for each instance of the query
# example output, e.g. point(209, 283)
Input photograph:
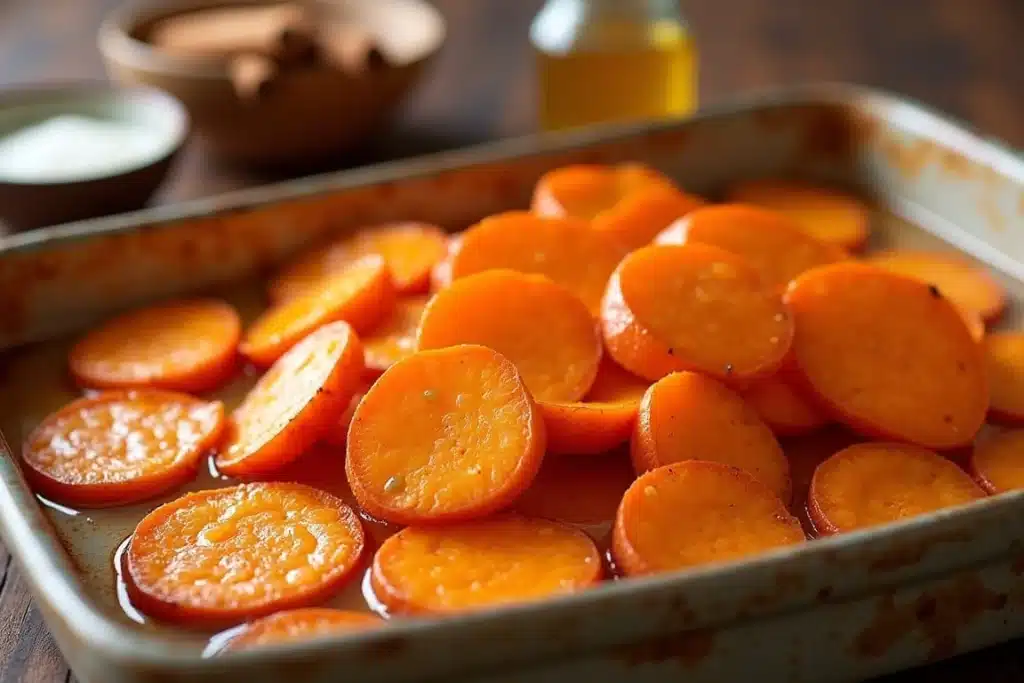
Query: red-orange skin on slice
point(633, 344)
point(217, 557)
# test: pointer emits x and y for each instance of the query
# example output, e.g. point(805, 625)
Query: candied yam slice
point(545, 330)
point(585, 190)
point(564, 249)
point(869, 484)
point(602, 420)
point(768, 241)
point(804, 454)
point(963, 282)
point(297, 625)
point(1004, 358)
point(581, 490)
point(486, 563)
point(120, 447)
point(889, 356)
point(409, 249)
point(225, 555)
point(688, 416)
point(693, 513)
point(635, 220)
point(443, 436)
point(693, 307)
point(395, 338)
point(825, 214)
point(187, 345)
point(784, 407)
point(997, 462)
point(362, 294)
point(294, 404)
point(307, 271)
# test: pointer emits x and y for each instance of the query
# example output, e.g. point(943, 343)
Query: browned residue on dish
point(938, 615)
point(685, 649)
point(912, 553)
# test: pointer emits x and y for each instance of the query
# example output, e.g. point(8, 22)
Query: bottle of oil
point(613, 60)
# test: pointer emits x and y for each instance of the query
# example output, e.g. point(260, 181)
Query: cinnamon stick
point(282, 32)
point(351, 48)
point(252, 75)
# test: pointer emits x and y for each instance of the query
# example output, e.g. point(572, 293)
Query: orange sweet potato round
point(444, 436)
point(887, 355)
point(542, 327)
point(726, 515)
point(482, 564)
point(687, 416)
point(876, 483)
point(566, 250)
point(963, 282)
point(585, 190)
point(770, 242)
point(225, 555)
point(823, 213)
point(693, 307)
point(189, 345)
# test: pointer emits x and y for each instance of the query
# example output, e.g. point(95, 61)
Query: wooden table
point(962, 57)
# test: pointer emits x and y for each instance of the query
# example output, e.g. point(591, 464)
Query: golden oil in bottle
point(613, 60)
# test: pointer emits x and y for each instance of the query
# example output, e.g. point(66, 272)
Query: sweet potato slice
point(564, 249)
point(189, 345)
point(294, 404)
point(395, 337)
point(804, 454)
point(221, 556)
point(409, 249)
point(583, 191)
point(687, 416)
point(297, 625)
point(876, 483)
point(825, 214)
point(770, 242)
point(542, 327)
point(1004, 357)
point(997, 462)
point(581, 490)
point(637, 218)
point(120, 447)
point(361, 294)
point(693, 513)
point(693, 307)
point(602, 420)
point(444, 436)
point(889, 356)
point(961, 281)
point(784, 407)
point(482, 564)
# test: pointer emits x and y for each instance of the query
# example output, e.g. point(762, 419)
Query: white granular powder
point(68, 148)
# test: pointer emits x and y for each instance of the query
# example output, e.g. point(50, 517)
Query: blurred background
point(963, 57)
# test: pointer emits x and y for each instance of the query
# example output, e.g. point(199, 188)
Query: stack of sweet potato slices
point(546, 386)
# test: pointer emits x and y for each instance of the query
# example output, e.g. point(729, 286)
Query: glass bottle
point(613, 60)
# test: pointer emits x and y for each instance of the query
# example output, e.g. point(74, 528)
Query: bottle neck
point(650, 10)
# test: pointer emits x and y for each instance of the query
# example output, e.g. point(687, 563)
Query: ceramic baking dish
point(835, 609)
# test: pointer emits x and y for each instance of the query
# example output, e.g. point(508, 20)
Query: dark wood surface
point(962, 57)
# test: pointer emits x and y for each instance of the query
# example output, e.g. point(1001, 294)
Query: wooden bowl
point(31, 203)
point(313, 114)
